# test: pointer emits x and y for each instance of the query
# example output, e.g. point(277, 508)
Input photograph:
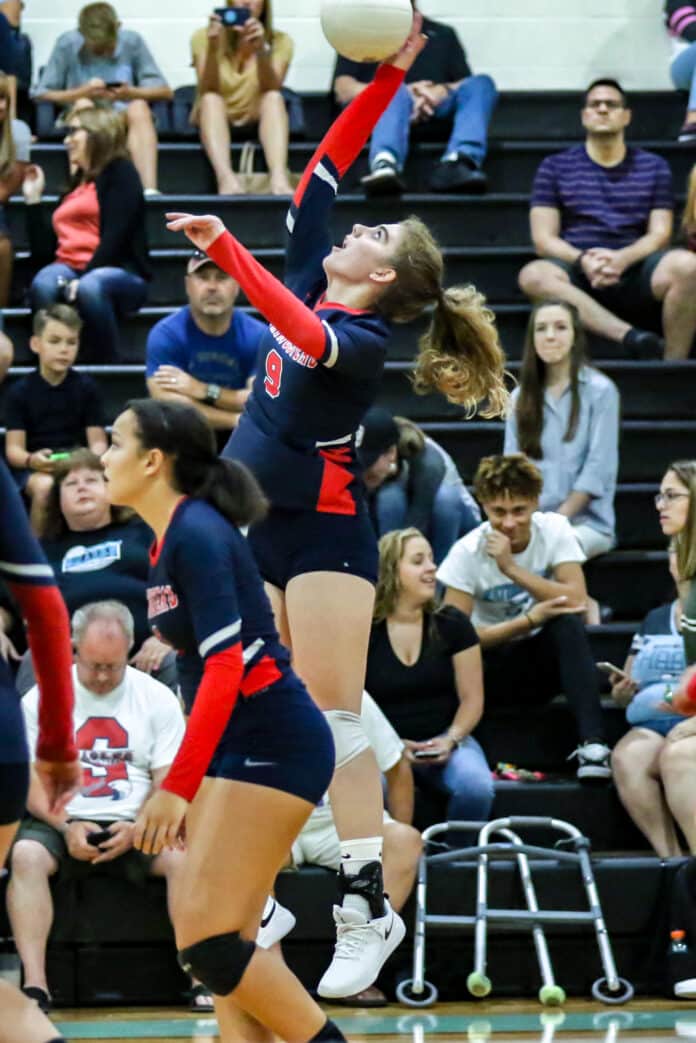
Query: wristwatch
point(212, 394)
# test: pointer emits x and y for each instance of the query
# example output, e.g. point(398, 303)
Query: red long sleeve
point(276, 303)
point(349, 132)
point(48, 632)
point(215, 700)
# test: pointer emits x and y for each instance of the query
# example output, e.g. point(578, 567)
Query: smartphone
point(609, 668)
point(113, 84)
point(59, 456)
point(426, 754)
point(95, 839)
point(232, 16)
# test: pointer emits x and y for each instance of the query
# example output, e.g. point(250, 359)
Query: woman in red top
point(96, 238)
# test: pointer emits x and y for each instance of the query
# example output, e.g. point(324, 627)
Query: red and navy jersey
point(30, 579)
point(320, 364)
point(205, 596)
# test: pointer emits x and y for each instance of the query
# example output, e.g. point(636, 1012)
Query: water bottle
point(682, 970)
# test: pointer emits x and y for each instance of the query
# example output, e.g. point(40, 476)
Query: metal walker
point(417, 992)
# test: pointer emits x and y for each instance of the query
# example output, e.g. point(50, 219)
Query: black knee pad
point(330, 1033)
point(219, 962)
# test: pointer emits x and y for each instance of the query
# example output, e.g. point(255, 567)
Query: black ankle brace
point(330, 1033)
point(368, 883)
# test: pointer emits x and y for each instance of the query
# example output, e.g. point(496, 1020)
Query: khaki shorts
point(321, 846)
point(133, 866)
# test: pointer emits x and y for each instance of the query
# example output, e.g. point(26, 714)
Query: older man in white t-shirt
point(519, 577)
point(128, 728)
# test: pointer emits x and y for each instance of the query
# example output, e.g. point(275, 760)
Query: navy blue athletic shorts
point(292, 543)
point(278, 738)
point(14, 758)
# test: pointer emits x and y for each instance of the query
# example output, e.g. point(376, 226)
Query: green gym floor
point(640, 1021)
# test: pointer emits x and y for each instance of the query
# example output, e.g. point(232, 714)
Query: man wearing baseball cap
point(205, 353)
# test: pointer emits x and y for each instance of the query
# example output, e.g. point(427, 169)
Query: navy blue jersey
point(205, 595)
point(320, 364)
point(24, 568)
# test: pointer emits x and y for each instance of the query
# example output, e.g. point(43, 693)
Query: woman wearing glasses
point(655, 762)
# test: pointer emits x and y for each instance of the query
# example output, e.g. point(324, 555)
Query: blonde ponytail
point(460, 354)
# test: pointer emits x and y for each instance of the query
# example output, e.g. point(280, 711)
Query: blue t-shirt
point(603, 206)
point(228, 360)
point(658, 651)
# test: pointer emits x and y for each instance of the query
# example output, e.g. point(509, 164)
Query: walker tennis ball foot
point(552, 995)
point(478, 984)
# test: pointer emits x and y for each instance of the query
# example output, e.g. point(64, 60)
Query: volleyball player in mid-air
point(320, 368)
point(29, 577)
point(257, 754)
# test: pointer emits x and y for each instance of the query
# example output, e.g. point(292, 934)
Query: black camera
point(233, 16)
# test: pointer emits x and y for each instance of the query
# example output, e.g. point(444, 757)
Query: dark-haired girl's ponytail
point(232, 489)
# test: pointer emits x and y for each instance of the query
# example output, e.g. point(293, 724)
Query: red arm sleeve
point(48, 632)
point(278, 304)
point(349, 132)
point(215, 700)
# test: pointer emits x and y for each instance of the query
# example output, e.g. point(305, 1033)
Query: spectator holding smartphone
point(93, 248)
point(100, 60)
point(424, 672)
point(128, 728)
point(241, 63)
point(52, 410)
point(655, 762)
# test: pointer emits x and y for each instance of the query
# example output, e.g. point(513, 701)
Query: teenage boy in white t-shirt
point(519, 577)
point(128, 728)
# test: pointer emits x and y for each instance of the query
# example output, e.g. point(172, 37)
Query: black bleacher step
point(595, 810)
point(510, 165)
point(631, 581)
point(540, 738)
point(646, 446)
point(610, 642)
point(649, 390)
point(258, 221)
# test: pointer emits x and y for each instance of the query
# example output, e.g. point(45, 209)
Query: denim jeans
point(683, 72)
point(102, 295)
point(465, 780)
point(470, 106)
point(452, 515)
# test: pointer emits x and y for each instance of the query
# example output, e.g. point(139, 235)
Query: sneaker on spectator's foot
point(594, 760)
point(458, 174)
point(644, 344)
point(276, 922)
point(383, 179)
point(687, 134)
point(362, 948)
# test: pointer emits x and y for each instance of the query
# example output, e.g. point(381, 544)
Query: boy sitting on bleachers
point(52, 410)
point(519, 576)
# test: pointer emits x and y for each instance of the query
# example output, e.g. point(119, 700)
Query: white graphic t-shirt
point(122, 737)
point(470, 568)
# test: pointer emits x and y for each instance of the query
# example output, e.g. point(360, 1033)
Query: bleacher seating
point(487, 241)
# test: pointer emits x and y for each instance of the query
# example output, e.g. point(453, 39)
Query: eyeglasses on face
point(669, 496)
point(604, 103)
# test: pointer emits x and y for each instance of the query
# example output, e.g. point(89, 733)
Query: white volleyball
point(366, 30)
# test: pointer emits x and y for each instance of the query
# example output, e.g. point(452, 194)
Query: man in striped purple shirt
point(601, 221)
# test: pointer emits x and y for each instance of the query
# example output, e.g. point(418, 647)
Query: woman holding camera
point(94, 249)
point(241, 63)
